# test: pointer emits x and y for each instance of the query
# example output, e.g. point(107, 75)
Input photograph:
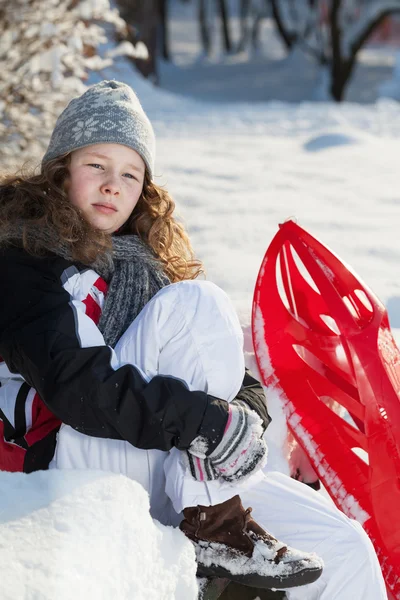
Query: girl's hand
point(241, 452)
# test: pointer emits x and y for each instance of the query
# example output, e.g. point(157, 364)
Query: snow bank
point(86, 534)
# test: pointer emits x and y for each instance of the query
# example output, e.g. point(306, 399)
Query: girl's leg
point(306, 520)
point(199, 339)
point(189, 330)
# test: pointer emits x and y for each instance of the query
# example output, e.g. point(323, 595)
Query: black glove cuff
point(214, 422)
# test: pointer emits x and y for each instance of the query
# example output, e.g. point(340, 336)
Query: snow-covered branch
point(47, 48)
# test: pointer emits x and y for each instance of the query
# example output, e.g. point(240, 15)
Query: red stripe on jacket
point(12, 455)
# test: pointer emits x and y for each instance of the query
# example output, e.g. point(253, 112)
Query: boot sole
point(262, 582)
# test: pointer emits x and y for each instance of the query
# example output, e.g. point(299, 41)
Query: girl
point(88, 320)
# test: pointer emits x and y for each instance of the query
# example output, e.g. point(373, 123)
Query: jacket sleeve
point(253, 394)
point(43, 338)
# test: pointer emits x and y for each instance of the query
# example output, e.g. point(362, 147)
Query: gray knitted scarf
point(134, 278)
point(131, 270)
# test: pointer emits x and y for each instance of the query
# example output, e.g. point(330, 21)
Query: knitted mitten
point(241, 452)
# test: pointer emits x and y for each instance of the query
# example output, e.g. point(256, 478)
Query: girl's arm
point(41, 339)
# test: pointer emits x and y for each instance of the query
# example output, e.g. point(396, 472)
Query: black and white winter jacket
point(56, 368)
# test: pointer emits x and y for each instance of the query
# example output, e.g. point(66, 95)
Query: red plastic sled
point(323, 338)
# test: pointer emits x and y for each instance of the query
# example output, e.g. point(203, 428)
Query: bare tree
point(249, 13)
point(207, 10)
point(287, 36)
point(332, 31)
point(143, 19)
point(346, 45)
point(244, 13)
point(204, 26)
point(165, 46)
point(226, 36)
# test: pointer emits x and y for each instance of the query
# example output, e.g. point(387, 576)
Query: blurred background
point(263, 110)
point(215, 50)
point(289, 50)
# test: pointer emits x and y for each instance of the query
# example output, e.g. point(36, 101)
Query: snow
point(76, 534)
point(237, 172)
point(238, 162)
point(262, 561)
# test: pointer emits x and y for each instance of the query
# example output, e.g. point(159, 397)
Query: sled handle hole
point(344, 414)
point(304, 272)
point(299, 294)
point(361, 453)
point(351, 307)
point(285, 291)
point(331, 323)
point(349, 398)
point(359, 307)
point(336, 373)
point(363, 298)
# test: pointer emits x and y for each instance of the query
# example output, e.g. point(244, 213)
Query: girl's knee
point(199, 302)
point(207, 296)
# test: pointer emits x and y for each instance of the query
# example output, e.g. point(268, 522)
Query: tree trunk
point(337, 87)
point(165, 46)
point(244, 26)
point(143, 19)
point(204, 29)
point(342, 69)
point(341, 76)
point(255, 34)
point(225, 25)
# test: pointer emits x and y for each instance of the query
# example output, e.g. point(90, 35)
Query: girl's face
point(105, 182)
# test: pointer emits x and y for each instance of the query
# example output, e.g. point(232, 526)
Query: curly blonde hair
point(41, 199)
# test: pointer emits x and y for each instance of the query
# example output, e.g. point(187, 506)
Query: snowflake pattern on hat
point(85, 128)
point(108, 112)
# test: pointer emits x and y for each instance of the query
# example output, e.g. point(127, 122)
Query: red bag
point(323, 338)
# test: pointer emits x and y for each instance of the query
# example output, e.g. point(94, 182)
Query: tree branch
point(287, 37)
point(365, 34)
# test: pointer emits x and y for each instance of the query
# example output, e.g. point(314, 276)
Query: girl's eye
point(97, 166)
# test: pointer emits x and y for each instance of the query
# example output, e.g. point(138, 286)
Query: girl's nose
point(111, 186)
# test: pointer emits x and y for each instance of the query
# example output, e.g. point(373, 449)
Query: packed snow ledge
point(86, 534)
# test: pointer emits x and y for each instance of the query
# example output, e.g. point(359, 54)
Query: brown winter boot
point(229, 543)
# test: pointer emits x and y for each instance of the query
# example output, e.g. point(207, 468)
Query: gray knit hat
point(108, 112)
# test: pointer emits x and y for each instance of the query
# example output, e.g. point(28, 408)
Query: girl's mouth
point(105, 208)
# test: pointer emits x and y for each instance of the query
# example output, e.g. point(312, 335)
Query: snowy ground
point(87, 535)
point(236, 171)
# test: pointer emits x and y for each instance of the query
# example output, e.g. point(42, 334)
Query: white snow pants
point(190, 330)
